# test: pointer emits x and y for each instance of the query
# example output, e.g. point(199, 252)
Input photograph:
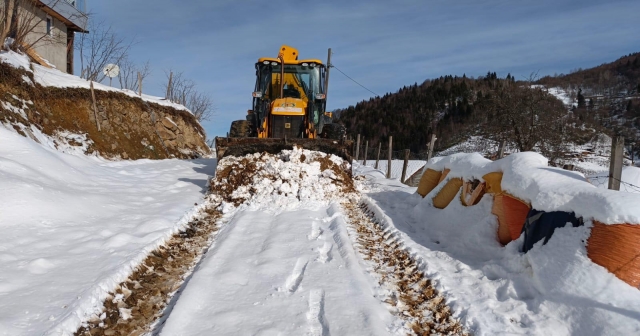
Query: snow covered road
point(74, 226)
point(294, 273)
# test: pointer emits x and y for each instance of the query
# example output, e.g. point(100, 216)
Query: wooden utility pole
point(432, 145)
point(405, 165)
point(169, 86)
point(366, 149)
point(326, 78)
point(139, 84)
point(615, 167)
point(358, 148)
point(378, 157)
point(95, 106)
point(503, 144)
point(390, 153)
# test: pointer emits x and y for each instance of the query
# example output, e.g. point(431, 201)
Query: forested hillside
point(523, 113)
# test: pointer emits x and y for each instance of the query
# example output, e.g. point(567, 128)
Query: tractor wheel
point(240, 129)
point(333, 131)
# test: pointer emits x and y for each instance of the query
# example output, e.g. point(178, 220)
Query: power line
point(364, 87)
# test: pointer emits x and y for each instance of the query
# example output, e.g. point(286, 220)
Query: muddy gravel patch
point(413, 297)
point(138, 302)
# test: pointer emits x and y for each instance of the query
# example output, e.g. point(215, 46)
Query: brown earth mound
point(130, 127)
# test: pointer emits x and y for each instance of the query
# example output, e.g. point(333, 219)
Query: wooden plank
point(444, 175)
point(476, 193)
point(465, 192)
point(95, 106)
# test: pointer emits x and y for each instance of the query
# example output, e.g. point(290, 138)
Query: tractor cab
point(288, 100)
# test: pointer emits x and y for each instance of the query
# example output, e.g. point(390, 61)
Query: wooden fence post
point(366, 148)
point(405, 165)
point(139, 84)
point(378, 157)
point(615, 167)
point(432, 144)
point(169, 86)
point(358, 148)
point(390, 153)
point(503, 144)
point(95, 106)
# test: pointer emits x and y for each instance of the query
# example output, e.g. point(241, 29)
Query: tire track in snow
point(315, 315)
point(412, 295)
point(138, 302)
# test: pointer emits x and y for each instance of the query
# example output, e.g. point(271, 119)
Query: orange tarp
point(511, 213)
point(616, 247)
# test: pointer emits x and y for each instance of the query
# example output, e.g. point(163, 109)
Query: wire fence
point(603, 182)
point(595, 176)
point(372, 154)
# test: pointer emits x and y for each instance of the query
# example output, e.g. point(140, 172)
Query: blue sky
point(382, 44)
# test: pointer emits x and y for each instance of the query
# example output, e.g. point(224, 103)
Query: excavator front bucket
point(244, 146)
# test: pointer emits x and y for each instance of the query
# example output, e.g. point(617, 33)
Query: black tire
point(333, 131)
point(240, 129)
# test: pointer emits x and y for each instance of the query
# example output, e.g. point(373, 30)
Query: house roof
point(67, 13)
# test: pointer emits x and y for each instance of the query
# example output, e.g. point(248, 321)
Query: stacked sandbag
point(616, 247)
point(428, 181)
point(447, 193)
point(531, 197)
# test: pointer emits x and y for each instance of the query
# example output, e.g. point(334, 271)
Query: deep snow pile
point(280, 181)
point(554, 289)
point(74, 226)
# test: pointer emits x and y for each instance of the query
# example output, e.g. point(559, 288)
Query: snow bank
point(56, 78)
point(74, 226)
point(528, 177)
point(553, 289)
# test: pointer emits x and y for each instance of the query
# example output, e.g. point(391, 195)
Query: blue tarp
point(541, 225)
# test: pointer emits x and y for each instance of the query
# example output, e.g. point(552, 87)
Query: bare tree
point(182, 90)
point(99, 48)
point(528, 118)
point(129, 74)
point(6, 17)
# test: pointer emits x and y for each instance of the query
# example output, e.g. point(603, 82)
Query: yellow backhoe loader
point(289, 103)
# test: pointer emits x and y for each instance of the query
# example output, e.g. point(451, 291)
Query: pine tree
point(581, 101)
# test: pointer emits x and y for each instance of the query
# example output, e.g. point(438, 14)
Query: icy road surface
point(73, 226)
point(295, 273)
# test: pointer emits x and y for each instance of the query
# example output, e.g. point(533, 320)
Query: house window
point(49, 25)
